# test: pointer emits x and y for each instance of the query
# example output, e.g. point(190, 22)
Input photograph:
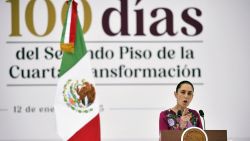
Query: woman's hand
point(185, 118)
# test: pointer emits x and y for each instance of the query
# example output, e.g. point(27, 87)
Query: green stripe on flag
point(70, 59)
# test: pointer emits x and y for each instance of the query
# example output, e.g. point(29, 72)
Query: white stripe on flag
point(68, 20)
point(68, 120)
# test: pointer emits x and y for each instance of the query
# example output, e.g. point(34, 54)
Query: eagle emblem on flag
point(79, 95)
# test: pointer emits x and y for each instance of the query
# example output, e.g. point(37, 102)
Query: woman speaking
point(180, 117)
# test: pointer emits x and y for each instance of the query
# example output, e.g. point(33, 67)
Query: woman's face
point(184, 95)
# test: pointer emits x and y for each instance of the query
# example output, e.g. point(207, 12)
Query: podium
point(213, 135)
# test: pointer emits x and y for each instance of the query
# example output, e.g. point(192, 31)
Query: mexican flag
point(76, 106)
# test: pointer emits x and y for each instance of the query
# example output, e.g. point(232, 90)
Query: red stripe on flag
point(72, 34)
point(89, 132)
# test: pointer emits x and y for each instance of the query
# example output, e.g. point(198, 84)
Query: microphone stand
point(204, 128)
point(202, 115)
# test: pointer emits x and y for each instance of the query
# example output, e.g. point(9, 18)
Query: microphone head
point(179, 113)
point(201, 113)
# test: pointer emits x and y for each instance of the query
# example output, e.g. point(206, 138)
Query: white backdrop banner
point(139, 50)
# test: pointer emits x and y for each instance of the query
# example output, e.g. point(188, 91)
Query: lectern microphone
point(202, 115)
point(179, 113)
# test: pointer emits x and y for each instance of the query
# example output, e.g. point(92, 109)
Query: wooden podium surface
point(213, 135)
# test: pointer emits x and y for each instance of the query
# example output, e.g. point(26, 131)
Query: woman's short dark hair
point(184, 82)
